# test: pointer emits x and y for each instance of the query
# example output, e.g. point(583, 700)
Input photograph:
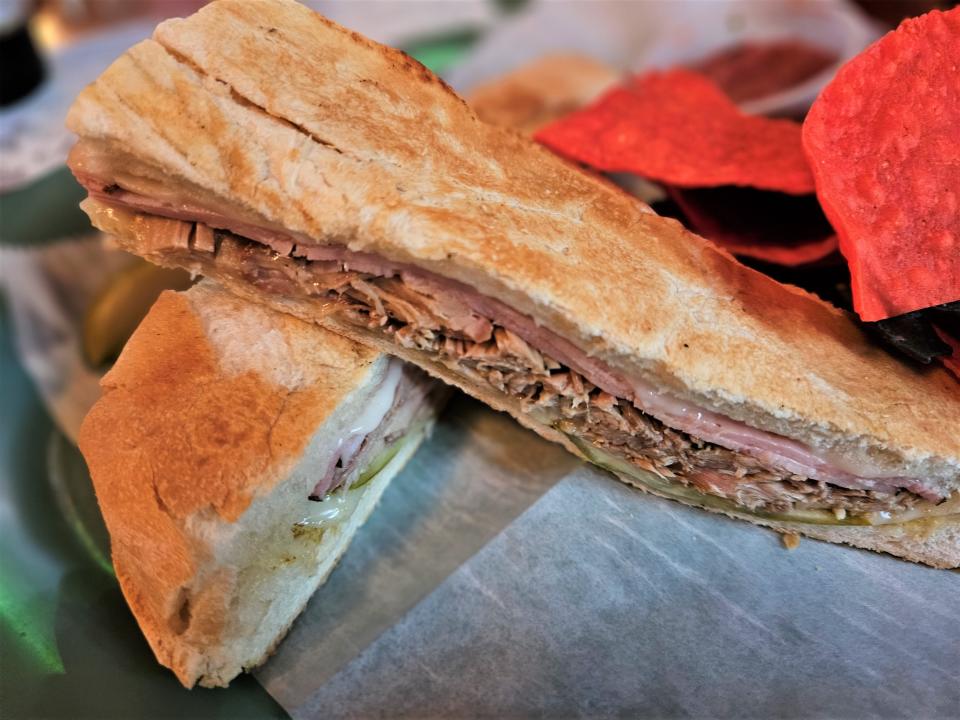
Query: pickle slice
point(678, 491)
point(379, 462)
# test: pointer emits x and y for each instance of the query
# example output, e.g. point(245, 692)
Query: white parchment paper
point(600, 601)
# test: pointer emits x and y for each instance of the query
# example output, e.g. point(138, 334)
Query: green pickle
point(339, 504)
point(677, 491)
point(379, 462)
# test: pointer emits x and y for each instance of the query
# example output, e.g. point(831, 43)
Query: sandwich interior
point(654, 441)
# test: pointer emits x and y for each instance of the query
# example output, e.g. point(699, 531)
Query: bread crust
point(363, 146)
point(197, 445)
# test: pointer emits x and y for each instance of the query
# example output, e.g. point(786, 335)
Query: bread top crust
point(294, 122)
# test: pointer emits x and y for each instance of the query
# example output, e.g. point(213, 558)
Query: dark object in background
point(752, 70)
point(828, 278)
point(22, 68)
point(914, 333)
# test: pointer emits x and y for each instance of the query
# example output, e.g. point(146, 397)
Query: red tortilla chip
point(678, 128)
point(791, 256)
point(773, 227)
point(751, 70)
point(883, 140)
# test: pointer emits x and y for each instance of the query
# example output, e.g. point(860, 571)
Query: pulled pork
point(448, 331)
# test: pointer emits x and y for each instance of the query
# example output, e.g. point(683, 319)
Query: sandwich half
point(359, 192)
point(234, 453)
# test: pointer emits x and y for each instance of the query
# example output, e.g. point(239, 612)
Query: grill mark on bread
point(401, 59)
point(124, 102)
point(155, 488)
point(246, 102)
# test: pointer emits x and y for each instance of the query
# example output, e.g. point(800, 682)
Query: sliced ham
point(368, 423)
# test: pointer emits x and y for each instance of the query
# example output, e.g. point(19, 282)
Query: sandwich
point(362, 194)
point(234, 453)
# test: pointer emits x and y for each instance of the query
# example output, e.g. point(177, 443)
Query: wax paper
point(598, 600)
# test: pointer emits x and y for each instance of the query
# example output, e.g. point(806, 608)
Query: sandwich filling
point(406, 398)
point(545, 375)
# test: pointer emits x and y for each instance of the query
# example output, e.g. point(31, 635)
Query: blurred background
point(68, 301)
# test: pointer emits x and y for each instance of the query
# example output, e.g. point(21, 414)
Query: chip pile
point(746, 222)
point(736, 177)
